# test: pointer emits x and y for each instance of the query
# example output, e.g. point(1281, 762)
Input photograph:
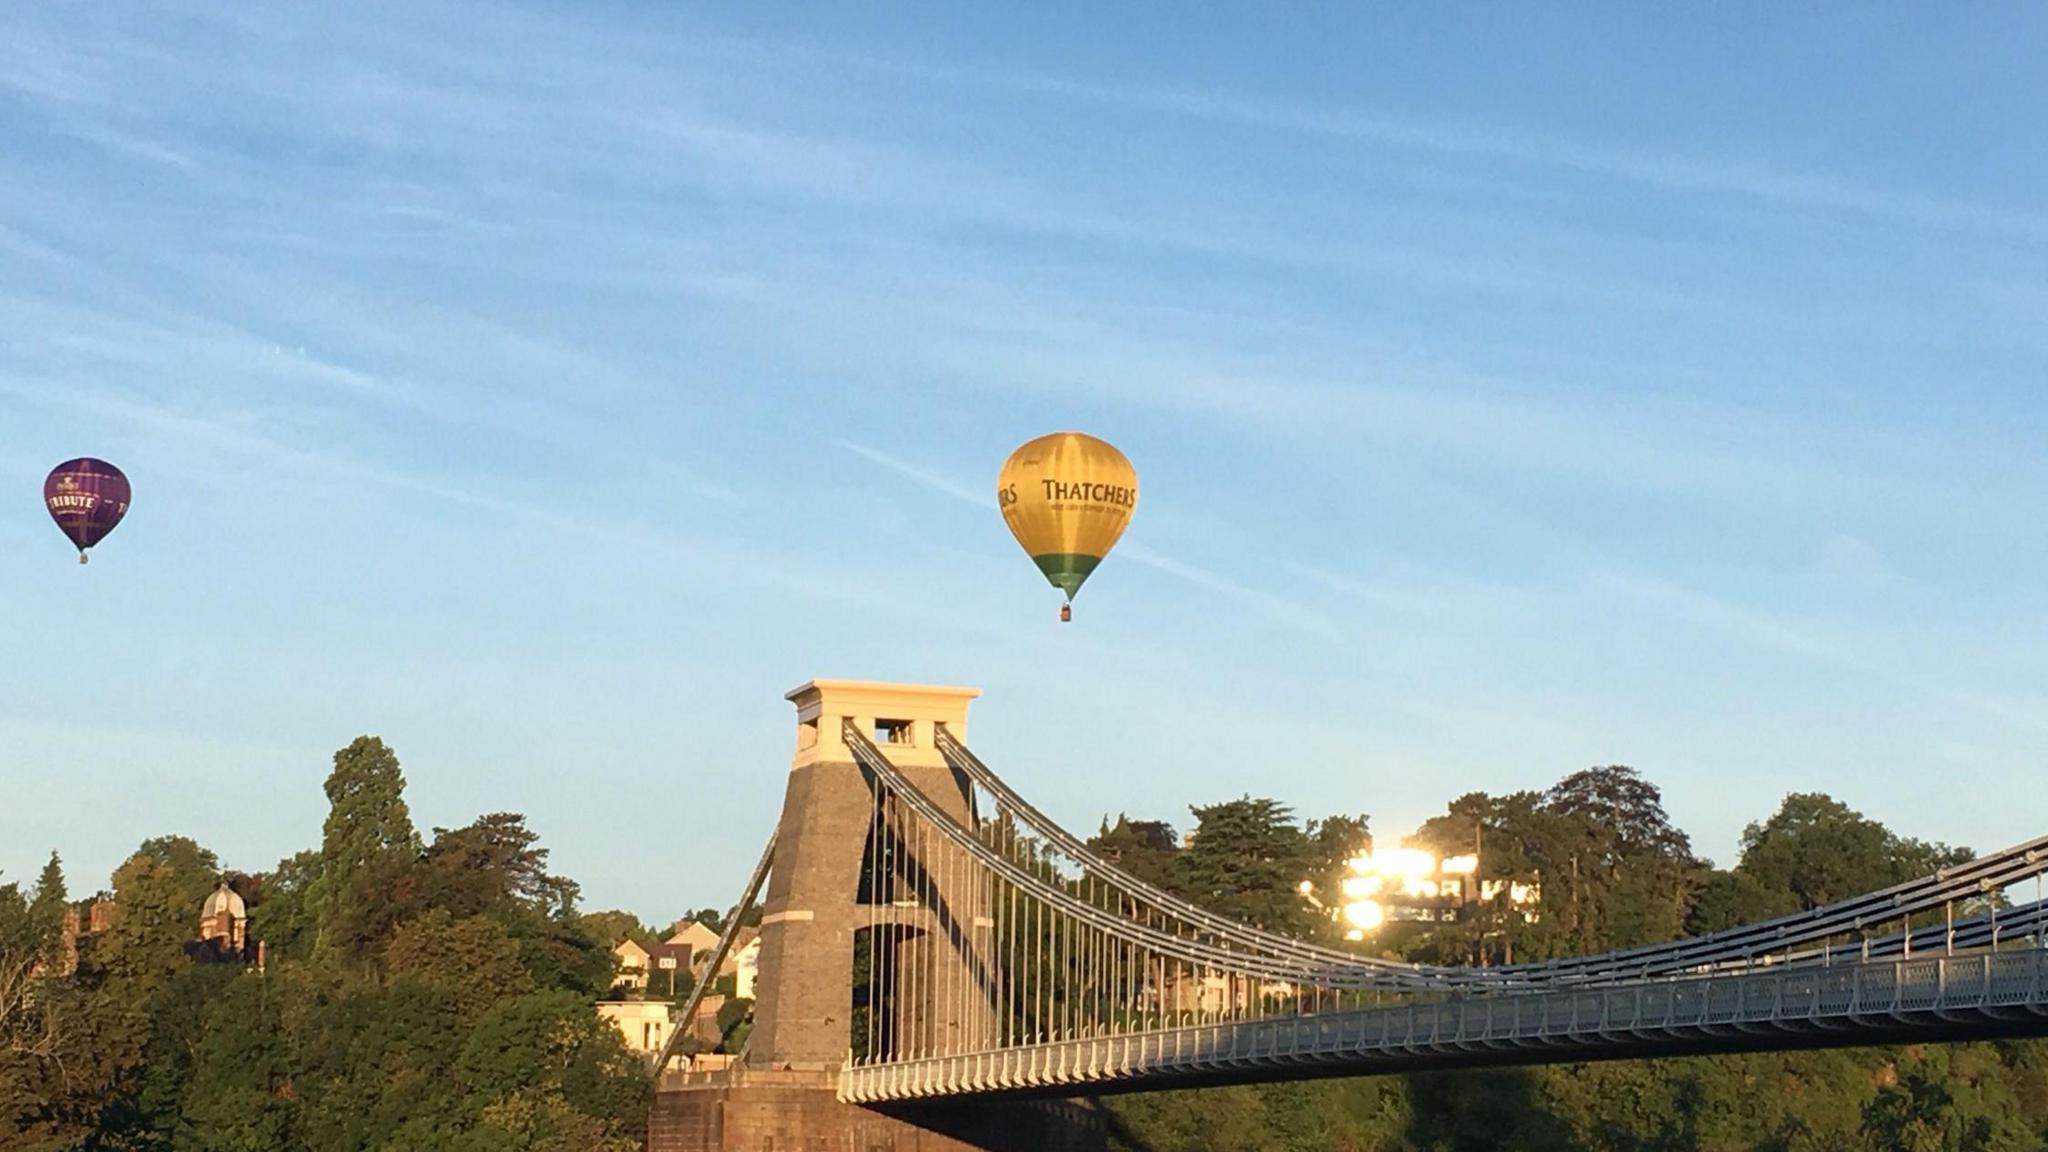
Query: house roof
point(629, 948)
point(691, 932)
point(682, 954)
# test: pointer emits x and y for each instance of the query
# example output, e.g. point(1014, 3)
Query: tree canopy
point(1613, 871)
point(433, 996)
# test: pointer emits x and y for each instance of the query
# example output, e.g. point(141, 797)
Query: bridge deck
point(1962, 996)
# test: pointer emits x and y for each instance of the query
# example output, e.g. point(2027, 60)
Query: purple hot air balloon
point(87, 498)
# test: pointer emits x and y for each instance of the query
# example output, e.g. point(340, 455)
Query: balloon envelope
point(1067, 498)
point(87, 498)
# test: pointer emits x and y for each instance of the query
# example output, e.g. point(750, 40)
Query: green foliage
point(415, 999)
point(46, 910)
point(492, 865)
point(712, 918)
point(439, 997)
point(157, 895)
point(368, 856)
point(1946, 1100)
point(231, 1100)
point(614, 927)
point(1723, 900)
point(1144, 848)
point(536, 1122)
point(1247, 861)
point(1817, 850)
point(1613, 872)
point(474, 960)
point(284, 921)
point(550, 1043)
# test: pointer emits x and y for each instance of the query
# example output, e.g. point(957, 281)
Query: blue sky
point(548, 391)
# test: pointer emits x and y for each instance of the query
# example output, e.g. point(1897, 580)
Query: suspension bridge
point(937, 954)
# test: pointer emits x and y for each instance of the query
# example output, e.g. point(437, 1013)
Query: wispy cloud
point(1278, 609)
point(1807, 640)
point(226, 439)
point(1437, 595)
point(1675, 172)
point(128, 144)
point(1701, 609)
point(924, 476)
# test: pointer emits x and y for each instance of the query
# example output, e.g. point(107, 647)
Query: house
point(746, 968)
point(643, 1023)
point(630, 961)
point(665, 962)
point(699, 938)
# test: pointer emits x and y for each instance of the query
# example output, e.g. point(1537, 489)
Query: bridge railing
point(1986, 994)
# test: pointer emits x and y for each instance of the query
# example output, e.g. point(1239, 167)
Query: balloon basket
point(83, 558)
point(1066, 613)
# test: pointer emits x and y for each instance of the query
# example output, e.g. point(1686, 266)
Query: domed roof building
point(224, 924)
point(224, 901)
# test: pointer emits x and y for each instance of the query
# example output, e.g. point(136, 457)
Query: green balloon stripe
point(1066, 571)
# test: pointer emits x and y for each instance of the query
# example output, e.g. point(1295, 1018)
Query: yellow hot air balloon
point(1067, 497)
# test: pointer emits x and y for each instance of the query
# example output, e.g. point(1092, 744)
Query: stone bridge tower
point(784, 1094)
point(816, 902)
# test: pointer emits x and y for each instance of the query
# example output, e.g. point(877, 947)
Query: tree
point(1724, 900)
point(25, 1029)
point(615, 927)
point(1626, 808)
point(46, 910)
point(284, 921)
point(489, 866)
point(1247, 862)
point(372, 1067)
point(539, 1122)
point(474, 960)
point(1627, 865)
point(1332, 843)
point(368, 850)
point(57, 1051)
point(712, 918)
point(233, 1101)
point(1941, 1100)
point(158, 893)
point(1144, 848)
point(196, 867)
point(1815, 850)
point(551, 1044)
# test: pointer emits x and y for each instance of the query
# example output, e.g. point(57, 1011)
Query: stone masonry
point(784, 1097)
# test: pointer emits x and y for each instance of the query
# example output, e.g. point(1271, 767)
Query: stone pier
point(766, 1111)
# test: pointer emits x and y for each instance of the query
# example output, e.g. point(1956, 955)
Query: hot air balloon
point(87, 498)
point(1067, 497)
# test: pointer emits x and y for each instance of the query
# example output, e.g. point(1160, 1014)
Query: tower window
point(893, 731)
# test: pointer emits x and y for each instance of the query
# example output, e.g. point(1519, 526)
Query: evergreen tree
point(46, 910)
point(491, 866)
point(1247, 862)
point(368, 851)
